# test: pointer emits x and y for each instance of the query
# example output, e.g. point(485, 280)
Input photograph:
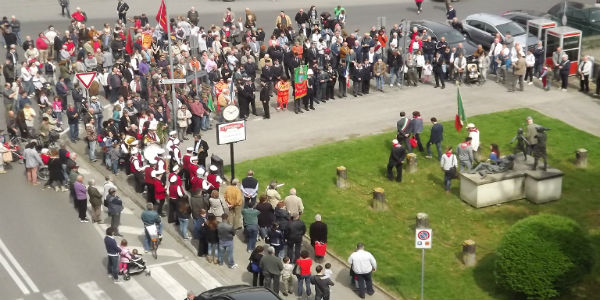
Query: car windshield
point(511, 27)
point(595, 16)
point(452, 36)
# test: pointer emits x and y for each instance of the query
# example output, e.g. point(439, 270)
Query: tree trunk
point(411, 163)
point(468, 253)
point(342, 177)
point(422, 220)
point(581, 158)
point(379, 199)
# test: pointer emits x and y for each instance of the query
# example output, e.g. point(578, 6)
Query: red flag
point(129, 44)
point(161, 16)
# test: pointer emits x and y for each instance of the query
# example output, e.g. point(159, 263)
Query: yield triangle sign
point(86, 78)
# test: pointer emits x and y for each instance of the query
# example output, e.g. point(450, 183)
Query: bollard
point(468, 253)
point(411, 163)
point(422, 220)
point(342, 177)
point(581, 158)
point(379, 199)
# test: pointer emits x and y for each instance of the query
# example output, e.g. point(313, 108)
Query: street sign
point(231, 132)
point(171, 81)
point(86, 78)
point(423, 238)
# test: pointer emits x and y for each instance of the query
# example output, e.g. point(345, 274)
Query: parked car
point(522, 16)
point(482, 28)
point(238, 292)
point(453, 37)
point(579, 15)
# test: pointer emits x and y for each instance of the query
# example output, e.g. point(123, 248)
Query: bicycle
point(153, 237)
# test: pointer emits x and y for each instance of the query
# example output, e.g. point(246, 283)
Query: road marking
point(83, 171)
point(168, 283)
point(135, 290)
point(93, 291)
point(196, 271)
point(55, 295)
point(18, 267)
point(13, 275)
point(166, 263)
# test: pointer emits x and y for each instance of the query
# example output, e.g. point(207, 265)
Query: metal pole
point(232, 161)
point(173, 97)
point(422, 272)
point(405, 32)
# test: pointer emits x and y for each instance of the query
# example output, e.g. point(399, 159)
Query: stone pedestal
point(581, 158)
point(342, 177)
point(379, 199)
point(542, 187)
point(411, 163)
point(492, 189)
point(469, 255)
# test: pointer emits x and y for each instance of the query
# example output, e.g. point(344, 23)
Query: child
point(57, 110)
point(427, 71)
point(287, 278)
point(322, 290)
point(545, 75)
point(125, 257)
point(327, 273)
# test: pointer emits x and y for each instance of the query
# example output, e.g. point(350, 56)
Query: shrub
point(541, 256)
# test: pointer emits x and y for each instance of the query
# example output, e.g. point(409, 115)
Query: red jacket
point(41, 43)
point(148, 175)
point(159, 190)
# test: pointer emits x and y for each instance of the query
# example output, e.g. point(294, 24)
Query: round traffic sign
point(423, 235)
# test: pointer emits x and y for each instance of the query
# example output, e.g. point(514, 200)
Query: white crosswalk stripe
point(135, 290)
point(93, 291)
point(168, 283)
point(55, 295)
point(17, 268)
point(198, 273)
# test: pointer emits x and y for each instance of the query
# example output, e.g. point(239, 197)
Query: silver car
point(482, 28)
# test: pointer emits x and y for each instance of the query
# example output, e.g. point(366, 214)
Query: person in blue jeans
point(226, 233)
point(250, 217)
point(304, 263)
point(73, 120)
point(149, 217)
point(112, 250)
point(447, 162)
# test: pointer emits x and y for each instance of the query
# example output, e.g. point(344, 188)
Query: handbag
point(296, 270)
point(413, 142)
point(320, 249)
point(255, 268)
point(453, 173)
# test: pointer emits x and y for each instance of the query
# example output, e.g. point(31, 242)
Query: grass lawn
point(389, 235)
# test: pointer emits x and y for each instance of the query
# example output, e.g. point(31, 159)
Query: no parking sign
point(423, 238)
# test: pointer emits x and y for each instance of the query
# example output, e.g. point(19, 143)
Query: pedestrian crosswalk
point(171, 281)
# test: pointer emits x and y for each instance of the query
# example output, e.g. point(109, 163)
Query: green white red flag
point(461, 118)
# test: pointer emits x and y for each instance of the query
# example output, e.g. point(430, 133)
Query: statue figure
point(539, 149)
point(522, 143)
point(504, 164)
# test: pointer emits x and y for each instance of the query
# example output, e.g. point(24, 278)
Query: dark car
point(238, 292)
point(453, 37)
point(522, 16)
point(581, 16)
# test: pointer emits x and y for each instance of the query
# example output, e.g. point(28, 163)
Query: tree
point(542, 256)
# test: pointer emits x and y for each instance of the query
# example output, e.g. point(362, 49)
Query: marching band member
point(151, 137)
point(175, 153)
point(186, 164)
point(149, 180)
point(159, 190)
point(175, 193)
point(214, 179)
point(170, 141)
point(199, 186)
point(136, 166)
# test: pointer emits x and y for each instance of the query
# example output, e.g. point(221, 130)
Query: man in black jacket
point(122, 8)
point(249, 189)
point(294, 233)
point(563, 69)
point(342, 72)
point(436, 137)
point(438, 71)
point(113, 253)
point(356, 73)
point(265, 97)
point(201, 149)
point(246, 97)
point(268, 77)
point(395, 63)
point(397, 157)
point(318, 232)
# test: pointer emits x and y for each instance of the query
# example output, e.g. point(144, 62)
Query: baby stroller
point(473, 73)
point(136, 265)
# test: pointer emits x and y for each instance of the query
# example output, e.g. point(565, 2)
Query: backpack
point(48, 68)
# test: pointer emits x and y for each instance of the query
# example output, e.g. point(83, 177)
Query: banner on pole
point(300, 81)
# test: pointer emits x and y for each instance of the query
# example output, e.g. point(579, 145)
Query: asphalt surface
point(60, 254)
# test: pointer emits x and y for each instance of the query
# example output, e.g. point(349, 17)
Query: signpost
point(86, 79)
point(423, 241)
point(231, 133)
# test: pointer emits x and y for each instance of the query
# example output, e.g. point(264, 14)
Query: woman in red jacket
point(159, 190)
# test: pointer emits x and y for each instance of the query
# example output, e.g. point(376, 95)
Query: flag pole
point(173, 97)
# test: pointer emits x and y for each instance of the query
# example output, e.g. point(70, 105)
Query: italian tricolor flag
point(461, 119)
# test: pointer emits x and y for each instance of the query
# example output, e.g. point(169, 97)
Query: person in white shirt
point(584, 71)
point(529, 63)
point(447, 162)
point(363, 264)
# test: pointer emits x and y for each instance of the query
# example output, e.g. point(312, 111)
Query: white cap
point(173, 179)
point(470, 125)
point(175, 168)
point(45, 151)
point(173, 132)
point(213, 168)
point(200, 172)
point(395, 141)
point(194, 158)
point(190, 149)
